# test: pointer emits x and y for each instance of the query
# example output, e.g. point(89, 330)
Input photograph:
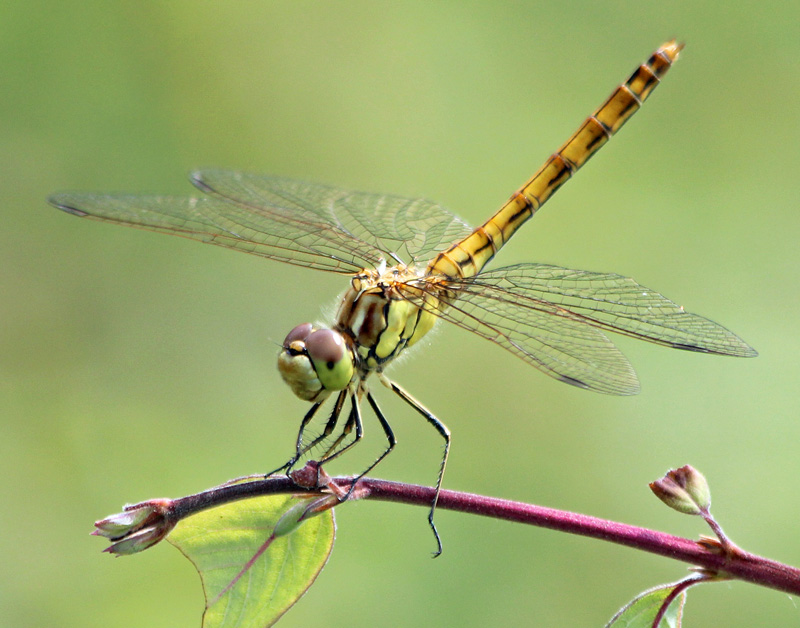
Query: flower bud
point(302, 510)
point(137, 527)
point(684, 490)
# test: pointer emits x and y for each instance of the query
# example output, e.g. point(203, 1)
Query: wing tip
point(62, 202)
point(738, 349)
point(202, 178)
point(743, 350)
point(197, 178)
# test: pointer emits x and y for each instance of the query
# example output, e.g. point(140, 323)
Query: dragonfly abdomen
point(467, 257)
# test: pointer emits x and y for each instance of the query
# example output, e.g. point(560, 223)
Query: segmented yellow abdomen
point(467, 257)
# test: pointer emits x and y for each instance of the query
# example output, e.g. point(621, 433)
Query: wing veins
point(659, 320)
point(571, 358)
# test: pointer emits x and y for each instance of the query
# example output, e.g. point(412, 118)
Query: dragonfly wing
point(306, 224)
point(278, 235)
point(408, 229)
point(604, 300)
point(558, 344)
point(553, 318)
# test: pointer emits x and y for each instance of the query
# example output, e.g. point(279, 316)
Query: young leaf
point(250, 575)
point(643, 610)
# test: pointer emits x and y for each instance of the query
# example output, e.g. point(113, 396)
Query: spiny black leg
point(348, 427)
point(327, 430)
point(445, 433)
point(300, 450)
point(290, 463)
point(353, 420)
point(389, 436)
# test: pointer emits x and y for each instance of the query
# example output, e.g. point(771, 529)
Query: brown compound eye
point(300, 333)
point(332, 362)
point(324, 346)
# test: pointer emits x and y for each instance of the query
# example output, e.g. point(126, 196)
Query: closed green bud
point(302, 510)
point(684, 490)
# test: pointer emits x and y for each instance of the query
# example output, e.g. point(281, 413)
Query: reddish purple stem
point(738, 565)
point(679, 588)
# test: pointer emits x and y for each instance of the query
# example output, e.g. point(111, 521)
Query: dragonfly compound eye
point(296, 368)
point(330, 357)
point(300, 333)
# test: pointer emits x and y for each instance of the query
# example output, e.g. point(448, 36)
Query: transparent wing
point(605, 300)
point(561, 346)
point(216, 222)
point(305, 224)
point(409, 229)
point(552, 318)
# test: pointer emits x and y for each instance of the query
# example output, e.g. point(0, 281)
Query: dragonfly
point(412, 262)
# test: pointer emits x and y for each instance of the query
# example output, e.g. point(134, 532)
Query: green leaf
point(642, 610)
point(251, 577)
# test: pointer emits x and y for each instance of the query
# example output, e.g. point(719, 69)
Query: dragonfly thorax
point(382, 313)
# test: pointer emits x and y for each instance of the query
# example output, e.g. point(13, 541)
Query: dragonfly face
point(315, 362)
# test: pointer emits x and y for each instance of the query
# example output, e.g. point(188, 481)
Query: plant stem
point(741, 565)
point(679, 588)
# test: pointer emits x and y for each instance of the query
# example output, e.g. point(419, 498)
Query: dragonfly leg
point(353, 421)
point(300, 449)
point(333, 419)
point(389, 437)
point(444, 432)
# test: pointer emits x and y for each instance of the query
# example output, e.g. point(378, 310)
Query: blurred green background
point(133, 365)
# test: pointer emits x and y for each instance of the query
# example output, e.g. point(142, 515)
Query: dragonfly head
point(315, 362)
